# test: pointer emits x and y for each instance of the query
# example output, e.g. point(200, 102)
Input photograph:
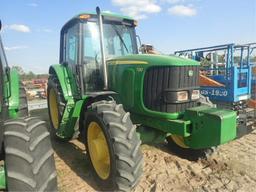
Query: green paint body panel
point(149, 135)
point(69, 121)
point(174, 126)
point(128, 81)
point(13, 87)
point(73, 106)
point(156, 60)
point(2, 178)
point(210, 126)
point(64, 79)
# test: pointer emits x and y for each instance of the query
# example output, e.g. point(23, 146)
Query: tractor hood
point(150, 59)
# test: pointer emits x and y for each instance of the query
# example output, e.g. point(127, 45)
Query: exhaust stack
point(105, 74)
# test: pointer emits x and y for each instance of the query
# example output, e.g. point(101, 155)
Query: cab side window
point(71, 45)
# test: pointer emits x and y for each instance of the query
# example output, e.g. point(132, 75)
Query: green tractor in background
point(108, 92)
point(25, 145)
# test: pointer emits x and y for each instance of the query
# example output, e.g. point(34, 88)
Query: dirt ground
point(231, 167)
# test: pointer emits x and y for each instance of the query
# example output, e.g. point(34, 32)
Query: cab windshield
point(119, 40)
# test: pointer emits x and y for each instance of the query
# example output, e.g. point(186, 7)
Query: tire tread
point(124, 141)
point(26, 169)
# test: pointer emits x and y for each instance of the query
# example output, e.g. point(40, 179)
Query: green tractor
point(25, 145)
point(117, 98)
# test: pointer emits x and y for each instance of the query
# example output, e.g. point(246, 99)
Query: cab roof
point(106, 15)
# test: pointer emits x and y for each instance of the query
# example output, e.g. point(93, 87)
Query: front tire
point(113, 146)
point(29, 160)
point(177, 145)
point(56, 102)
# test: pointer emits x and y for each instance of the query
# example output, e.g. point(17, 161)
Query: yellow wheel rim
point(98, 149)
point(179, 140)
point(54, 108)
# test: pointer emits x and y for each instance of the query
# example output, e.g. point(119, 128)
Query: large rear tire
point(113, 146)
point(29, 160)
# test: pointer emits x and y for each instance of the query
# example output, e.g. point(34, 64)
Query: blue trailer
point(228, 68)
point(253, 63)
point(253, 92)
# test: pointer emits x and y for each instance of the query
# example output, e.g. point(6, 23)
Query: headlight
point(195, 94)
point(182, 96)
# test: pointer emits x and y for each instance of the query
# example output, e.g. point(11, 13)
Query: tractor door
point(70, 52)
point(81, 49)
point(119, 40)
point(92, 62)
point(71, 47)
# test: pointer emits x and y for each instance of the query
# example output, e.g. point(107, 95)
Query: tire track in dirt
point(231, 168)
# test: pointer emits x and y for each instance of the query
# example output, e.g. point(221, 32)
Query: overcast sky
point(31, 27)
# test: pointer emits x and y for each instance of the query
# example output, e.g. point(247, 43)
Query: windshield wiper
point(120, 37)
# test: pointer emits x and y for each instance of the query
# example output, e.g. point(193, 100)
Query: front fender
point(62, 75)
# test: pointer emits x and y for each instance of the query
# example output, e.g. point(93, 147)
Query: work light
point(195, 94)
point(182, 96)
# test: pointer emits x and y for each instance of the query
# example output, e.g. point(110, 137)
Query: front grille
point(160, 79)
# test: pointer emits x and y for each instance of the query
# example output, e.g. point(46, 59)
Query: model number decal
point(139, 69)
point(215, 92)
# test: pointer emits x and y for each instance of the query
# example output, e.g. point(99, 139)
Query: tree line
point(29, 75)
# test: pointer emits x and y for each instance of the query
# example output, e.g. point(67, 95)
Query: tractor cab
point(81, 46)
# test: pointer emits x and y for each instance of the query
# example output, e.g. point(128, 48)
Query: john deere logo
point(190, 73)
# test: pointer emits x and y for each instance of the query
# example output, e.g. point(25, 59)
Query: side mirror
point(97, 10)
point(8, 79)
point(138, 38)
point(147, 49)
point(7, 71)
